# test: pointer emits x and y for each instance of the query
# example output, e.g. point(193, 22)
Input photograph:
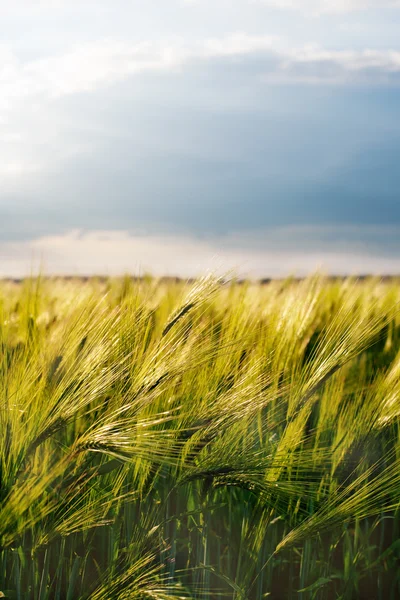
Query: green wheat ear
point(201, 291)
point(163, 443)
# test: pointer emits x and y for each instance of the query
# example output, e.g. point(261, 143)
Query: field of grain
point(206, 440)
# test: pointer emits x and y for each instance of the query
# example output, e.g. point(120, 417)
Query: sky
point(177, 136)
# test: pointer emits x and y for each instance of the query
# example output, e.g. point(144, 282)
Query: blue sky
point(168, 136)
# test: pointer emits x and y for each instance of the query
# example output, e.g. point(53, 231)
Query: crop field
point(162, 439)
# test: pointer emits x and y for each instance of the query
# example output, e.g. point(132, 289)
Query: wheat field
point(212, 439)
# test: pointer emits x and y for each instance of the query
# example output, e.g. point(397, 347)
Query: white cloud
point(241, 44)
point(17, 168)
point(38, 7)
point(117, 252)
point(83, 68)
point(91, 66)
point(316, 7)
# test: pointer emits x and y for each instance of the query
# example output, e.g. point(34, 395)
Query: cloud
point(214, 171)
point(118, 252)
point(38, 7)
point(83, 68)
point(317, 7)
point(237, 44)
point(276, 61)
point(91, 66)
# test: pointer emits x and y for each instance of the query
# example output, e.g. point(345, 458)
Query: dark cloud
point(213, 150)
